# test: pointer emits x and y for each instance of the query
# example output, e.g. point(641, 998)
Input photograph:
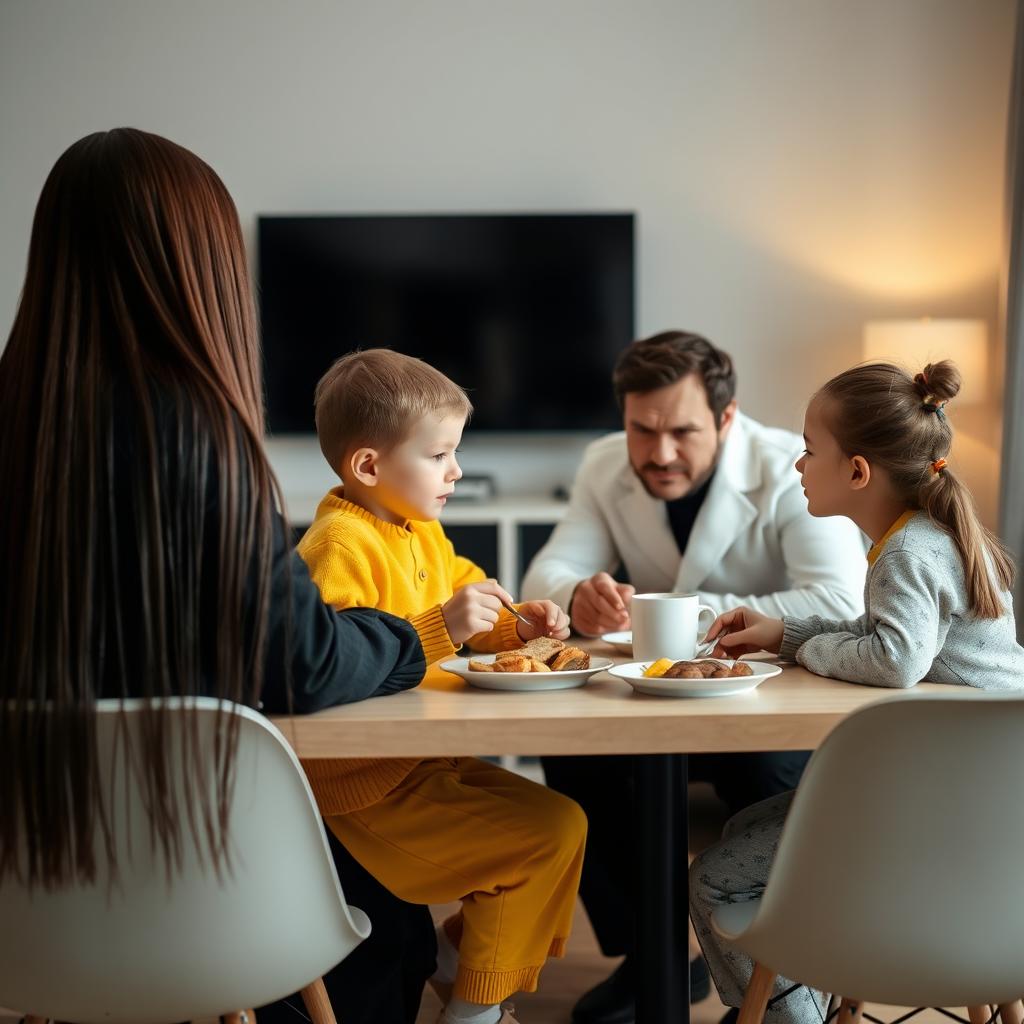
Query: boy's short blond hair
point(373, 397)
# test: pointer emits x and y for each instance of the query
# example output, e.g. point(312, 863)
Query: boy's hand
point(474, 609)
point(547, 618)
point(743, 631)
point(600, 605)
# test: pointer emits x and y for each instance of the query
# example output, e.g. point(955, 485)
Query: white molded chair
point(146, 951)
point(899, 877)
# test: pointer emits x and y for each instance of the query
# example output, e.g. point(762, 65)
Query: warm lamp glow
point(914, 343)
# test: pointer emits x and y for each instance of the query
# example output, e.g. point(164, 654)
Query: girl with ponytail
point(937, 594)
point(937, 608)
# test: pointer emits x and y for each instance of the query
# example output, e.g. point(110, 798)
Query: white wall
point(798, 166)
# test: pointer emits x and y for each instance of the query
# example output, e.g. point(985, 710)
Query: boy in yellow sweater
point(440, 829)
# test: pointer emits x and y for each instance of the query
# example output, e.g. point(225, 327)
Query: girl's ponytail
point(899, 423)
point(948, 502)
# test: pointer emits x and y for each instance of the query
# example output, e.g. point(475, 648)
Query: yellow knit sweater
point(360, 561)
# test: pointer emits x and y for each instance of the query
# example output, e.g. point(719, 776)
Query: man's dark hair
point(663, 359)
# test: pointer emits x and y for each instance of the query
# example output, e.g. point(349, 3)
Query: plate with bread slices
point(541, 664)
point(701, 677)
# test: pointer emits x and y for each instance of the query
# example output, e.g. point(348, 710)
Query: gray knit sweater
point(916, 624)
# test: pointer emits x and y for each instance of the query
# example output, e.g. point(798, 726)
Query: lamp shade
point(913, 344)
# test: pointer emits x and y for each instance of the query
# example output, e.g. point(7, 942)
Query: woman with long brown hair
point(144, 554)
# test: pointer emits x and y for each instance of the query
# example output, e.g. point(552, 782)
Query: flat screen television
point(528, 312)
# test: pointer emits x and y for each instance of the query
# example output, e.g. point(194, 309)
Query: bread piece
point(543, 648)
point(481, 666)
point(572, 659)
point(514, 663)
point(708, 668)
point(741, 668)
point(684, 670)
point(538, 666)
point(722, 672)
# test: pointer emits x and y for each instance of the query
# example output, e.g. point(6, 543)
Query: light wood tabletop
point(445, 716)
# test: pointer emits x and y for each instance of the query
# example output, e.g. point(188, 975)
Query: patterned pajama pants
point(735, 870)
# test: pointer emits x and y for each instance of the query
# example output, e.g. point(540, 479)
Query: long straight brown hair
point(899, 422)
point(130, 404)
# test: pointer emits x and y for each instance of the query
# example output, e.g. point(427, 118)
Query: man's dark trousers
point(604, 787)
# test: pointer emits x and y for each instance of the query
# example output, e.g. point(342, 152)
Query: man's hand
point(743, 631)
point(547, 618)
point(600, 605)
point(474, 609)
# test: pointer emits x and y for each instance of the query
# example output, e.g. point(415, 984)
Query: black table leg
point(662, 831)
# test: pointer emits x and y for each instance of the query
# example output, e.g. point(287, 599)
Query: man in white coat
point(692, 497)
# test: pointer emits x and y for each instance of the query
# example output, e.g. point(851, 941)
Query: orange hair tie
point(938, 466)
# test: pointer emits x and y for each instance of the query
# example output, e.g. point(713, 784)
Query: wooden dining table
point(445, 717)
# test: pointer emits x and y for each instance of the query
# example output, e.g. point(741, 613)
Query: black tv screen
point(528, 312)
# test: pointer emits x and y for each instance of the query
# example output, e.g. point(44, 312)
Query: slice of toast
point(481, 666)
point(543, 648)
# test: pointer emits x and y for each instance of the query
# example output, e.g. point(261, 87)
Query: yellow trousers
point(509, 849)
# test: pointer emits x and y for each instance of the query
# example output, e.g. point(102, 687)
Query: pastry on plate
point(514, 663)
point(570, 659)
point(544, 654)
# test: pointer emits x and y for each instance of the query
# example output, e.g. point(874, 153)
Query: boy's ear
point(860, 473)
point(365, 466)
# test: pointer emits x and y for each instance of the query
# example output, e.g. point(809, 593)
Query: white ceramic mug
point(667, 626)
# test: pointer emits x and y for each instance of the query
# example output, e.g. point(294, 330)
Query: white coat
point(753, 541)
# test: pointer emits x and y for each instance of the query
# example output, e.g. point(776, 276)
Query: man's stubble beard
point(695, 486)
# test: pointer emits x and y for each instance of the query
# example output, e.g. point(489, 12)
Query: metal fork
point(522, 618)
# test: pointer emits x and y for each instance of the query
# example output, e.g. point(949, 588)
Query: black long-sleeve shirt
point(333, 657)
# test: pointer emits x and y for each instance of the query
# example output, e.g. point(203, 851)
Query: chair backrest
point(150, 951)
point(899, 877)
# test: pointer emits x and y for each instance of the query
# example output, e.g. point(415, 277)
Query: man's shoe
point(732, 1015)
point(613, 1001)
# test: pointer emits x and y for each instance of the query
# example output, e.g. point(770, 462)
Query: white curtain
point(1011, 510)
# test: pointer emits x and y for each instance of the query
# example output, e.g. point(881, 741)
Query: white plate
point(620, 641)
point(524, 680)
point(633, 673)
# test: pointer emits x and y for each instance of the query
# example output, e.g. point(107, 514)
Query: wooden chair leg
point(318, 1006)
point(755, 999)
point(979, 1014)
point(1010, 1013)
point(850, 1012)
